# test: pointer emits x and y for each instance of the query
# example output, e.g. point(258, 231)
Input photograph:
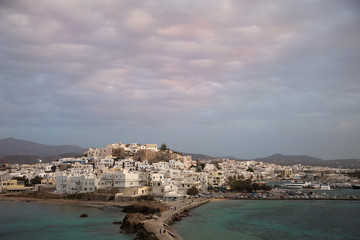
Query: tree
point(53, 168)
point(163, 147)
point(248, 186)
point(36, 180)
point(192, 191)
point(250, 169)
point(200, 165)
point(22, 179)
point(355, 174)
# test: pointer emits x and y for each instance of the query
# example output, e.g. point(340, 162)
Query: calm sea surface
point(27, 220)
point(273, 219)
point(237, 219)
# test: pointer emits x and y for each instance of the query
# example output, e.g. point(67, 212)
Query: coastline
point(67, 201)
point(175, 211)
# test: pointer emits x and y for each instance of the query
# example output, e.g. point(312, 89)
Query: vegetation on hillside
point(247, 185)
point(192, 191)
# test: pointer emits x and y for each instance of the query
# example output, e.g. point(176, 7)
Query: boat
point(355, 186)
point(297, 185)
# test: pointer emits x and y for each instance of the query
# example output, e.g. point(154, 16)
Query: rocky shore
point(31, 198)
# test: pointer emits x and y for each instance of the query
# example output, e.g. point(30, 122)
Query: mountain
point(311, 161)
point(13, 146)
point(291, 160)
point(231, 158)
point(28, 159)
point(343, 163)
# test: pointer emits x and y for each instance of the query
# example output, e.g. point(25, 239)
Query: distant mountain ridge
point(288, 160)
point(14, 150)
point(281, 159)
point(13, 146)
point(29, 159)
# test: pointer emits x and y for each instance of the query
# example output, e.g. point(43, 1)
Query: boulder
point(140, 208)
point(176, 217)
point(143, 234)
point(83, 215)
point(132, 222)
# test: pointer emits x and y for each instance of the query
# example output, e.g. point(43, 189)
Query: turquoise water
point(271, 219)
point(28, 220)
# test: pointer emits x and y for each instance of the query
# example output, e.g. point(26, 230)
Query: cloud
point(235, 67)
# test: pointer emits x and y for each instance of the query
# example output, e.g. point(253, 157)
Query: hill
point(291, 160)
point(307, 160)
point(13, 146)
point(28, 159)
point(343, 163)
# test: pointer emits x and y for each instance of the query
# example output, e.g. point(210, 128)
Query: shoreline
point(67, 201)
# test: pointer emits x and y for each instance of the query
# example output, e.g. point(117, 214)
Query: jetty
point(166, 219)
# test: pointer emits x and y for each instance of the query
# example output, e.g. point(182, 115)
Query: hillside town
point(135, 170)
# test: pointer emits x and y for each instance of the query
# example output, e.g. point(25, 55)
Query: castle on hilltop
point(147, 152)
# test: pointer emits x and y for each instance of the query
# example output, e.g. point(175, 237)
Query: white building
point(74, 183)
point(104, 162)
point(120, 179)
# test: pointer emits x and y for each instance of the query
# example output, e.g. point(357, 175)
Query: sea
point(49, 221)
point(273, 219)
point(228, 219)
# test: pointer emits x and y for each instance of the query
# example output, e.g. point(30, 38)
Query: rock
point(83, 215)
point(132, 222)
point(176, 217)
point(119, 222)
point(184, 214)
point(143, 234)
point(141, 208)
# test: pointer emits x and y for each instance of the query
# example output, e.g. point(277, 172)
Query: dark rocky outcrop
point(143, 234)
point(144, 208)
point(176, 217)
point(185, 213)
point(83, 215)
point(133, 222)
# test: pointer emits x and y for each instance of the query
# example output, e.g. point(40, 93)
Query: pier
point(154, 225)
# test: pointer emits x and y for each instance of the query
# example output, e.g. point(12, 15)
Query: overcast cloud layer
point(243, 78)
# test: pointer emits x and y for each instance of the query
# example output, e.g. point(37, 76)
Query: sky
point(241, 78)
